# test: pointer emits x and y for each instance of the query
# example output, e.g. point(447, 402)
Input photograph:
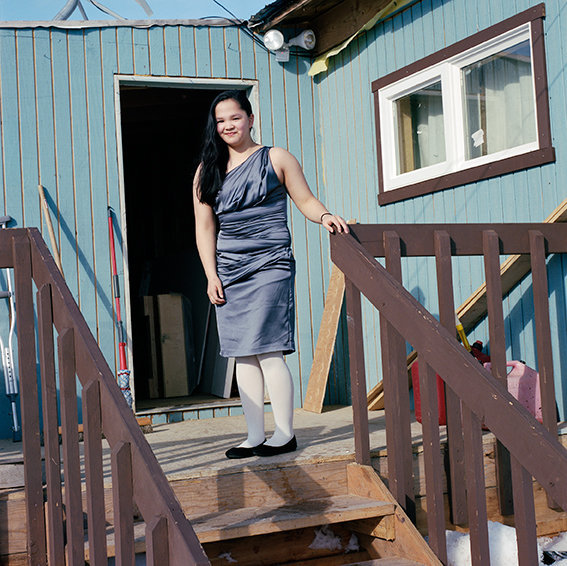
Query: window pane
point(499, 102)
point(420, 132)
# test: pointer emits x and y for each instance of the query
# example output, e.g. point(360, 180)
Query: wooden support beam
point(325, 343)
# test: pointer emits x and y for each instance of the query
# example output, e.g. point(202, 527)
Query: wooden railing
point(474, 397)
point(56, 531)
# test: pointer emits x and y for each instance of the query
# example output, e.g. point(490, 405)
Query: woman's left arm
point(289, 172)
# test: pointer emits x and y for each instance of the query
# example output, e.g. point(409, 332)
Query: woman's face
point(233, 124)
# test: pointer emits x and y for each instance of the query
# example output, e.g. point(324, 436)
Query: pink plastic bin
point(523, 384)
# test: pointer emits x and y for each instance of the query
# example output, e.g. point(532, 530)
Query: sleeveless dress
point(254, 261)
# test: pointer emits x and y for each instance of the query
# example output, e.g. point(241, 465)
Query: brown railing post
point(476, 488)
point(543, 330)
point(56, 546)
point(157, 548)
point(357, 374)
point(543, 335)
point(491, 247)
point(94, 474)
point(524, 516)
point(456, 472)
point(432, 460)
point(71, 461)
point(396, 393)
point(35, 517)
point(122, 497)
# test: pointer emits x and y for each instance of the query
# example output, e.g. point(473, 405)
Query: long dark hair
point(214, 155)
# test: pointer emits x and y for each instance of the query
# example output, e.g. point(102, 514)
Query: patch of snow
point(352, 545)
point(227, 556)
point(558, 543)
point(502, 541)
point(326, 538)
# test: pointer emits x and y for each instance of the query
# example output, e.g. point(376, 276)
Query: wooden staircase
point(274, 515)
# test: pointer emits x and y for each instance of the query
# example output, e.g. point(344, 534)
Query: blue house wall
point(58, 129)
point(345, 113)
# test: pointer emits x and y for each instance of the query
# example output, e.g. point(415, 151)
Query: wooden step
point(251, 521)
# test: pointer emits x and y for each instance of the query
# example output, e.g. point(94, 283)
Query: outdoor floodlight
point(274, 41)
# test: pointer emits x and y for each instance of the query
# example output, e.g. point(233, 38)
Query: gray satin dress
point(254, 261)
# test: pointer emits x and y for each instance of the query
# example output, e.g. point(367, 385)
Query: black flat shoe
point(238, 452)
point(265, 450)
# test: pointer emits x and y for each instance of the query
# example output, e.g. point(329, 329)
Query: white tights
point(251, 372)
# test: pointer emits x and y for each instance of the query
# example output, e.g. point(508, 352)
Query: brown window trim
point(545, 153)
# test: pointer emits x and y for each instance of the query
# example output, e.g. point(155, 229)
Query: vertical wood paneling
point(141, 51)
point(125, 46)
point(28, 131)
point(10, 127)
point(64, 158)
point(109, 66)
point(232, 52)
point(245, 46)
point(172, 51)
point(98, 181)
point(156, 42)
point(188, 53)
point(81, 189)
point(217, 52)
point(202, 52)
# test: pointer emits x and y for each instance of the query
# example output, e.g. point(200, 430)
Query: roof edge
point(80, 24)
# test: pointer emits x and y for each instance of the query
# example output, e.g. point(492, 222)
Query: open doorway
point(173, 331)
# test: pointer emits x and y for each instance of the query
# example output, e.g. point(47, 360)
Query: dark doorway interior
point(161, 137)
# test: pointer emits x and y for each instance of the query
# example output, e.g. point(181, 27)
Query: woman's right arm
point(206, 236)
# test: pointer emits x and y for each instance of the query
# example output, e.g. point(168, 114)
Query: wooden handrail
point(474, 396)
point(151, 491)
point(489, 400)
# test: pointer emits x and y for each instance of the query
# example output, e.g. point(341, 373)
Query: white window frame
point(448, 72)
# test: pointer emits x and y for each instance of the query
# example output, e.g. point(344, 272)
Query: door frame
point(160, 82)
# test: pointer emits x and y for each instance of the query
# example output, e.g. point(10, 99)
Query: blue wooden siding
point(58, 128)
point(349, 182)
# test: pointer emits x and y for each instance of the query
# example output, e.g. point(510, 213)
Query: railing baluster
point(56, 545)
point(396, 394)
point(94, 474)
point(543, 330)
point(491, 247)
point(357, 374)
point(157, 547)
point(122, 498)
point(29, 402)
point(456, 475)
point(476, 488)
point(524, 516)
point(432, 460)
point(71, 460)
point(543, 336)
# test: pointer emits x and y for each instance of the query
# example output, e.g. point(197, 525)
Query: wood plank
point(94, 474)
point(325, 343)
point(157, 548)
point(251, 521)
point(364, 481)
point(455, 441)
point(357, 374)
point(381, 527)
point(396, 394)
point(29, 402)
point(122, 491)
point(54, 504)
point(70, 442)
point(491, 246)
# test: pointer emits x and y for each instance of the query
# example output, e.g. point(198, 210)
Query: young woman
point(249, 265)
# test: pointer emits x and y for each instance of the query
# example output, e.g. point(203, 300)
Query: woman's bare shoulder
point(281, 156)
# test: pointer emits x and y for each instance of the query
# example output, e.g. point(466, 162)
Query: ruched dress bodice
point(254, 260)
